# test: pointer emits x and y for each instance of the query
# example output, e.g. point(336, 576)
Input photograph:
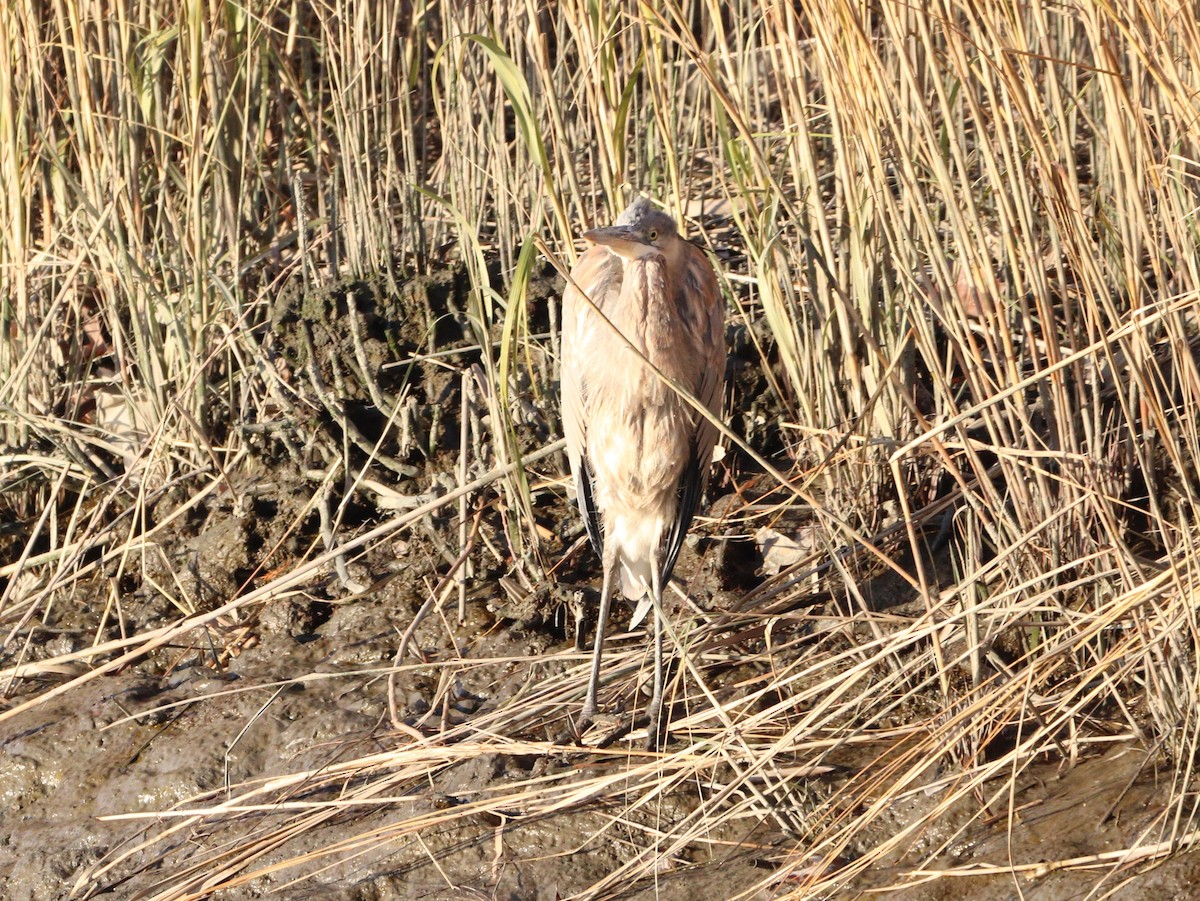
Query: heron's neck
point(643, 295)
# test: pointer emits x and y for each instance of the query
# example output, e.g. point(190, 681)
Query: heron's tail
point(640, 536)
point(635, 578)
point(635, 585)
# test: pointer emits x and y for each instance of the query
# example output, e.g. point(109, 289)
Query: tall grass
point(970, 228)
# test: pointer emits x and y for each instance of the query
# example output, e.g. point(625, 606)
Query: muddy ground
point(295, 684)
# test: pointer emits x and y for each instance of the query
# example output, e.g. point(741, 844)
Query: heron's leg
point(656, 699)
point(610, 564)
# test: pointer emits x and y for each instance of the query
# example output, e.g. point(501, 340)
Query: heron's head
point(640, 231)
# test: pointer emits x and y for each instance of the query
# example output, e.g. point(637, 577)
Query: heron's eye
point(652, 234)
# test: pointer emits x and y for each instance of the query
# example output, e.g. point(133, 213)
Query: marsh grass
point(970, 229)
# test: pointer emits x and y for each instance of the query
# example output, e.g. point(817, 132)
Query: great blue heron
point(640, 453)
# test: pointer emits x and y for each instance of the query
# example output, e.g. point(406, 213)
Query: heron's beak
point(622, 240)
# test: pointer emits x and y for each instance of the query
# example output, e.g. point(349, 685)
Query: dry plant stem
point(435, 597)
point(463, 502)
point(384, 404)
point(438, 540)
point(388, 498)
point(324, 502)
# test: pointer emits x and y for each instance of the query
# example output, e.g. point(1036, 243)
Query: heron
point(639, 451)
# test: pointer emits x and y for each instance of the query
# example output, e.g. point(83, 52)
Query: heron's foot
point(572, 734)
point(588, 713)
point(656, 733)
point(576, 729)
point(613, 729)
point(599, 731)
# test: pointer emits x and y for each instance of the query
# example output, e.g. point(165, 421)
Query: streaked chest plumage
point(639, 428)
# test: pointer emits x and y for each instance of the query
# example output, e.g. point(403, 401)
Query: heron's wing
point(597, 273)
point(700, 282)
